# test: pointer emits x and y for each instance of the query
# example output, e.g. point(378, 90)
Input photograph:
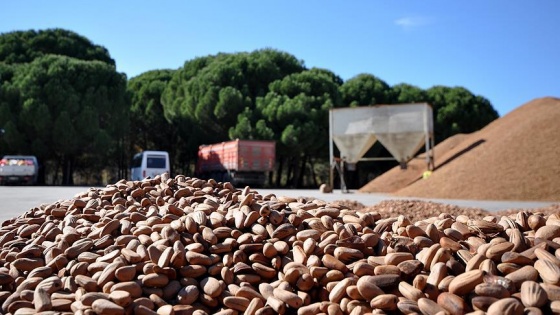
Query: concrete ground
point(15, 200)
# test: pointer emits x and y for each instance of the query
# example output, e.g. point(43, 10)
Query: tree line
point(62, 99)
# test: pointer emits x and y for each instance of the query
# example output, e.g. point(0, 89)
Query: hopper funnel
point(403, 131)
point(353, 146)
point(402, 146)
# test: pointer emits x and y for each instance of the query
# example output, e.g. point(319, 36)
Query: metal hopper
point(356, 140)
point(402, 129)
point(353, 147)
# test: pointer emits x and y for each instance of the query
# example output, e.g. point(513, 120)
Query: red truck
point(237, 161)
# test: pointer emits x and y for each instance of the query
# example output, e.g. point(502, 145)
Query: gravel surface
point(14, 200)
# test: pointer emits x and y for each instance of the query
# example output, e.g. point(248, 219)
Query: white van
point(149, 163)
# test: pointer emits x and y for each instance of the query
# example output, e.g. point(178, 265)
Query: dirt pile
point(513, 158)
point(417, 210)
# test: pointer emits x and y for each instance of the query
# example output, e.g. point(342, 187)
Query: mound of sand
point(516, 157)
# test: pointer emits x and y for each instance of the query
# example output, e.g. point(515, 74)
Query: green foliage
point(13, 137)
point(9, 96)
point(149, 129)
point(405, 93)
point(457, 110)
point(365, 89)
point(26, 46)
point(64, 141)
point(64, 105)
point(296, 110)
point(229, 99)
point(295, 113)
point(206, 97)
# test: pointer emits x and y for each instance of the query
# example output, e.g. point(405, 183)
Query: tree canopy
point(365, 89)
point(405, 93)
point(457, 110)
point(60, 108)
point(67, 108)
point(205, 97)
point(149, 129)
point(296, 111)
point(62, 99)
point(25, 46)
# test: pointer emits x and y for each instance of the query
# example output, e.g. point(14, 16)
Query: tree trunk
point(123, 165)
point(313, 175)
point(289, 173)
point(120, 159)
point(67, 171)
point(189, 170)
point(301, 172)
point(41, 176)
point(279, 172)
point(56, 171)
point(64, 171)
point(295, 172)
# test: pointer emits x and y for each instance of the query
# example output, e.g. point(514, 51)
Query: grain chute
point(402, 129)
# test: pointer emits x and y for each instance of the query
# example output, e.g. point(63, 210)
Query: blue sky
point(507, 51)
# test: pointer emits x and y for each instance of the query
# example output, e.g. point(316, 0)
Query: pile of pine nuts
point(189, 246)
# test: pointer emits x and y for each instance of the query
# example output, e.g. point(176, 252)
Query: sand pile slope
point(397, 178)
point(516, 157)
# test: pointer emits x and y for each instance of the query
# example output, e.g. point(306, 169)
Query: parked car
point(149, 164)
point(19, 169)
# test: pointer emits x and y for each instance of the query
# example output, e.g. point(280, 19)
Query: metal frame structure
point(338, 163)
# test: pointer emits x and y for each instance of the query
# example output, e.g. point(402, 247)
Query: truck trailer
point(237, 161)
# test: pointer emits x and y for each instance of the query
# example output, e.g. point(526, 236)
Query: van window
point(156, 161)
point(137, 161)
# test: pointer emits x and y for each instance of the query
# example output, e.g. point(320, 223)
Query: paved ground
point(16, 200)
